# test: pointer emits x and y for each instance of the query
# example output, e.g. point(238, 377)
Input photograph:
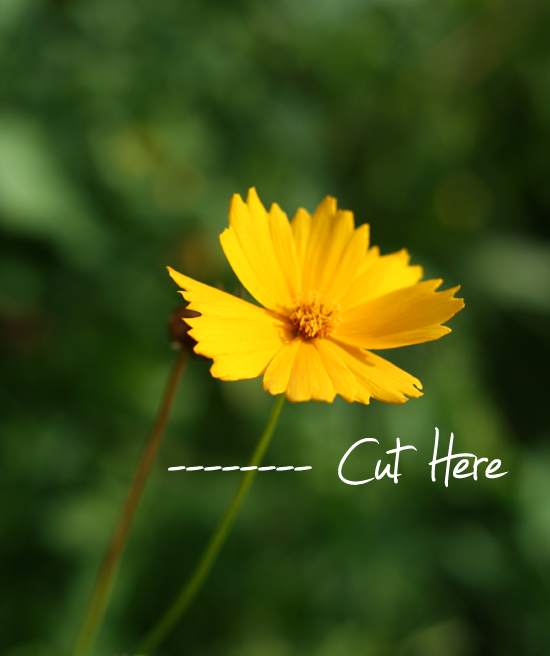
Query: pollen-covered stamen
point(314, 315)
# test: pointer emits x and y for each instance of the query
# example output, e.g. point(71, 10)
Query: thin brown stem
point(109, 567)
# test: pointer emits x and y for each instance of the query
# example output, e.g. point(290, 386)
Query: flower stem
point(109, 567)
point(210, 554)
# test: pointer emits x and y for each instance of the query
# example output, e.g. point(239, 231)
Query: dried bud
point(178, 329)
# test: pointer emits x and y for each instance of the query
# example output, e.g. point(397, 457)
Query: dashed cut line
point(217, 467)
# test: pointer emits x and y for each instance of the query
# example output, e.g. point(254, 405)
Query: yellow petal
point(308, 372)
point(248, 246)
point(341, 273)
point(329, 239)
point(343, 380)
point(370, 257)
point(308, 377)
point(318, 245)
point(240, 337)
point(411, 315)
point(278, 371)
point(382, 275)
point(329, 249)
point(301, 227)
point(326, 239)
point(378, 378)
point(284, 248)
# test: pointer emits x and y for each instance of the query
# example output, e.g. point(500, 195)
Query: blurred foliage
point(125, 127)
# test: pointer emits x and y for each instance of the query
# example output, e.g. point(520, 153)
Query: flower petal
point(330, 236)
point(278, 371)
point(301, 227)
point(240, 337)
point(411, 315)
point(378, 378)
point(329, 250)
point(318, 245)
point(344, 271)
point(298, 369)
point(380, 276)
point(334, 251)
point(284, 248)
point(343, 380)
point(309, 378)
point(248, 245)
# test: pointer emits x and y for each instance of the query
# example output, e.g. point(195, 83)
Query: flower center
point(314, 315)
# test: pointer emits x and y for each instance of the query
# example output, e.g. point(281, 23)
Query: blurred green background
point(125, 127)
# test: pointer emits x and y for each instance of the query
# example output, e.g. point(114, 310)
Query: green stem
point(210, 554)
point(109, 567)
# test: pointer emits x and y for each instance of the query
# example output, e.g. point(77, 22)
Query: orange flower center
point(314, 315)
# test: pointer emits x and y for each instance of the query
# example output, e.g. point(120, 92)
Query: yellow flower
point(327, 298)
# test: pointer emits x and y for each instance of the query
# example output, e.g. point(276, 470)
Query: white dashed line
point(217, 467)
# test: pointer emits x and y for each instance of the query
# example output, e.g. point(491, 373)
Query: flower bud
point(178, 329)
